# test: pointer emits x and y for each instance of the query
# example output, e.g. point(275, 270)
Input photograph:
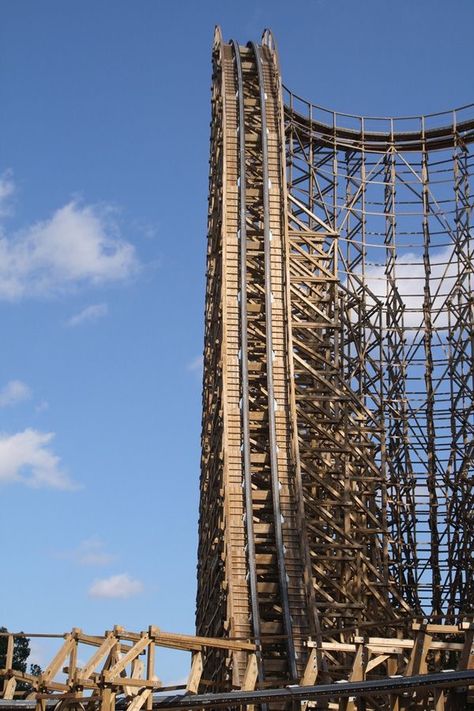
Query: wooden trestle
point(294, 538)
point(117, 671)
point(267, 396)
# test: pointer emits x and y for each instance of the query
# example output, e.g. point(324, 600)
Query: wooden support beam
point(195, 674)
point(10, 650)
point(392, 669)
point(251, 673)
point(144, 696)
point(58, 662)
point(107, 699)
point(466, 658)
point(120, 665)
point(417, 662)
point(439, 700)
point(71, 671)
point(311, 669)
point(137, 669)
point(357, 674)
point(376, 661)
point(150, 669)
point(104, 649)
point(9, 686)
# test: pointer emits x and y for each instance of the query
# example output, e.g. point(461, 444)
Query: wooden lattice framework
point(338, 419)
point(117, 671)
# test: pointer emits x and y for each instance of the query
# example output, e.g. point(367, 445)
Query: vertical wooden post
point(107, 702)
point(417, 662)
point(392, 669)
point(311, 669)
point(357, 674)
point(9, 685)
point(439, 699)
point(466, 660)
point(150, 668)
point(10, 649)
point(73, 657)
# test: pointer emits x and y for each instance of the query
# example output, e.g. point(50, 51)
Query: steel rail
point(282, 575)
point(244, 368)
point(268, 41)
point(341, 690)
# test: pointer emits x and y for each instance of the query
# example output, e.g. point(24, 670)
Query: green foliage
point(21, 651)
point(35, 669)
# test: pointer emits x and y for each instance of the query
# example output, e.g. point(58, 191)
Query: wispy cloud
point(195, 365)
point(90, 313)
point(79, 245)
point(38, 654)
point(42, 406)
point(410, 285)
point(25, 458)
point(7, 188)
point(13, 392)
point(91, 551)
point(117, 586)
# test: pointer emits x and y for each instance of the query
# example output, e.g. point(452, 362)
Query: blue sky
point(104, 134)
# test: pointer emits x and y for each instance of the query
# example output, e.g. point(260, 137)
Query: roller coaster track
point(255, 274)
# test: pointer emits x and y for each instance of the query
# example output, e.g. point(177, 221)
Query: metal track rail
point(247, 474)
point(358, 689)
point(282, 574)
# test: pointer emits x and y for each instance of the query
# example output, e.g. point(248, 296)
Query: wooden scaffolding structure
point(338, 419)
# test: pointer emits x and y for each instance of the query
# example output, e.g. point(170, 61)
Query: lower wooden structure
point(118, 671)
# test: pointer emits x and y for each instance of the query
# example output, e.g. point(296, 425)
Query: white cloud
point(117, 586)
point(90, 313)
point(195, 365)
point(25, 458)
point(38, 653)
point(78, 246)
point(14, 391)
point(410, 282)
point(42, 406)
point(91, 551)
point(7, 188)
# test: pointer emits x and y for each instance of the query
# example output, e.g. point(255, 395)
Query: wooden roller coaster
point(338, 420)
point(335, 560)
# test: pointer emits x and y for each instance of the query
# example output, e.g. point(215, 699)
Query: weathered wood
point(195, 674)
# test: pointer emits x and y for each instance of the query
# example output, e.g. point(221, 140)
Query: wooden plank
point(192, 686)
